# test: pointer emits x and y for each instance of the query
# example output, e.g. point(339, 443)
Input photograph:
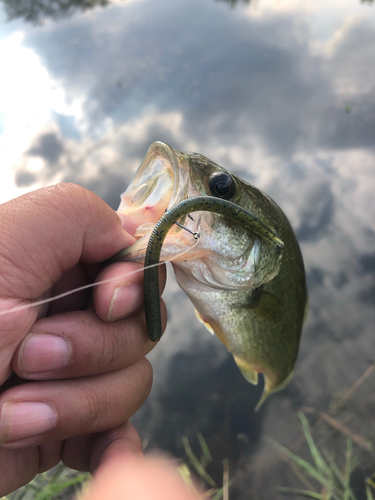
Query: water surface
point(280, 92)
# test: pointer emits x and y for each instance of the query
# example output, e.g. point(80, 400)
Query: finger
point(70, 280)
point(87, 452)
point(13, 328)
point(17, 467)
point(123, 293)
point(46, 232)
point(43, 412)
point(49, 455)
point(121, 441)
point(127, 478)
point(79, 344)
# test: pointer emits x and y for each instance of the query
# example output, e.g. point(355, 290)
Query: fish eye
point(221, 185)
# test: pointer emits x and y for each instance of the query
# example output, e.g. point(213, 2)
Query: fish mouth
point(155, 185)
point(161, 181)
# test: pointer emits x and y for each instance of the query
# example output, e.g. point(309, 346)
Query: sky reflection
point(281, 93)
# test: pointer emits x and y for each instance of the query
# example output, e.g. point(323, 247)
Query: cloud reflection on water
point(273, 95)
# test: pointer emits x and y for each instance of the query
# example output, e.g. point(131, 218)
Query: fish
point(247, 289)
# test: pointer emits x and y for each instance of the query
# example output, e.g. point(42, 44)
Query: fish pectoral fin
point(268, 306)
point(250, 373)
point(207, 325)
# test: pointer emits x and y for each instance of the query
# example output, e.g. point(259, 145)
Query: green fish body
point(245, 289)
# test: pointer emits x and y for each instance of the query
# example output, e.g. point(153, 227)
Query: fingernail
point(125, 300)
point(22, 420)
point(43, 353)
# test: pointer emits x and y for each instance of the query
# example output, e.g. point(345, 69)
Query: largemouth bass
point(246, 289)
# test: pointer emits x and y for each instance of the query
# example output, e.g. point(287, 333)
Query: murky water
point(282, 93)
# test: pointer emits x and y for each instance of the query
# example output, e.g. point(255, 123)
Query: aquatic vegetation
point(333, 481)
point(199, 465)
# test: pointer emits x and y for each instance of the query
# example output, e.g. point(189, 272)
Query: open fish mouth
point(156, 186)
point(160, 182)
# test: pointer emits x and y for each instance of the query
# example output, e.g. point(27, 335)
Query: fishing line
point(92, 285)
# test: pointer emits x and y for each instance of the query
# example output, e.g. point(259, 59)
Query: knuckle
point(146, 376)
point(116, 346)
point(110, 349)
point(94, 406)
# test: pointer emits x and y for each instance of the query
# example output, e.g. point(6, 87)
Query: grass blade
point(306, 493)
point(206, 452)
point(315, 453)
point(339, 476)
point(303, 464)
point(225, 479)
point(369, 493)
point(218, 494)
point(348, 469)
point(196, 463)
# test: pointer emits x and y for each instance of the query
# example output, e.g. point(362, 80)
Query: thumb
point(46, 232)
point(137, 478)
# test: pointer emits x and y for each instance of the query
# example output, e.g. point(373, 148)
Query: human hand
point(87, 366)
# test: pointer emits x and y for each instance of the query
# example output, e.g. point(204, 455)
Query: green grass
point(323, 477)
point(64, 482)
point(333, 482)
point(57, 486)
point(199, 465)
